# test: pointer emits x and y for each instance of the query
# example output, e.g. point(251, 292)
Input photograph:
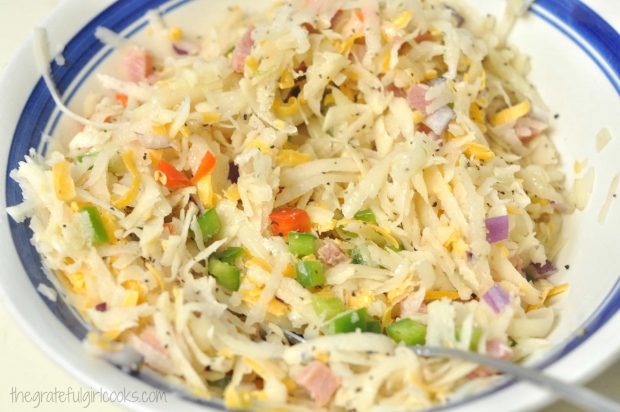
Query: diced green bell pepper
point(301, 244)
point(344, 234)
point(229, 255)
point(348, 322)
point(327, 306)
point(226, 274)
point(373, 326)
point(209, 223)
point(407, 330)
point(220, 383)
point(474, 340)
point(310, 273)
point(366, 215)
point(93, 224)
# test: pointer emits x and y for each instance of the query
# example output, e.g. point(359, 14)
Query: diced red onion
point(538, 271)
point(101, 307)
point(497, 298)
point(528, 128)
point(439, 120)
point(459, 19)
point(233, 172)
point(497, 228)
point(185, 47)
point(436, 81)
point(560, 207)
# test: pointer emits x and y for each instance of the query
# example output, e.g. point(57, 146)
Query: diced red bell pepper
point(289, 219)
point(174, 178)
point(206, 166)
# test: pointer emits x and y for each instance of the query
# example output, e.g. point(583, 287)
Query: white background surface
point(23, 366)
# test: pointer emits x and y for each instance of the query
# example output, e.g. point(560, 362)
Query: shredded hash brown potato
point(369, 175)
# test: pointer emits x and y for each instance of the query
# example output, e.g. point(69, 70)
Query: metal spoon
point(575, 394)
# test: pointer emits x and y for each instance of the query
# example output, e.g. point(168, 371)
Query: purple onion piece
point(101, 307)
point(497, 228)
point(436, 81)
point(460, 20)
point(440, 119)
point(184, 47)
point(233, 172)
point(497, 298)
point(538, 271)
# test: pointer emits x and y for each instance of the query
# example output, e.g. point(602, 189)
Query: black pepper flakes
point(566, 267)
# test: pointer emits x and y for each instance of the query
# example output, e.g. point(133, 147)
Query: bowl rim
point(597, 343)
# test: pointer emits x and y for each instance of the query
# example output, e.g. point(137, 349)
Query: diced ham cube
point(138, 64)
point(331, 254)
point(496, 349)
point(149, 337)
point(417, 97)
point(481, 372)
point(150, 347)
point(242, 51)
point(319, 380)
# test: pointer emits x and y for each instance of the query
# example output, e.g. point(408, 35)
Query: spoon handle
point(577, 395)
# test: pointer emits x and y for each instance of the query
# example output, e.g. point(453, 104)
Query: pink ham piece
point(416, 96)
point(138, 64)
point(242, 51)
point(319, 380)
point(149, 337)
point(496, 349)
point(331, 254)
point(150, 347)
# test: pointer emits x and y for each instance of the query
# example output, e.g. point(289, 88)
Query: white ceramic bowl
point(576, 67)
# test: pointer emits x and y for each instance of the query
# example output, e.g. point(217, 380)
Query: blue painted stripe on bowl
point(609, 51)
point(596, 32)
point(118, 16)
point(31, 126)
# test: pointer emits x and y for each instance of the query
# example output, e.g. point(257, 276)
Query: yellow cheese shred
point(478, 151)
point(130, 195)
point(511, 114)
point(290, 158)
point(64, 187)
point(440, 294)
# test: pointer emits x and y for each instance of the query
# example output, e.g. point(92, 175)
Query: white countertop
point(24, 367)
